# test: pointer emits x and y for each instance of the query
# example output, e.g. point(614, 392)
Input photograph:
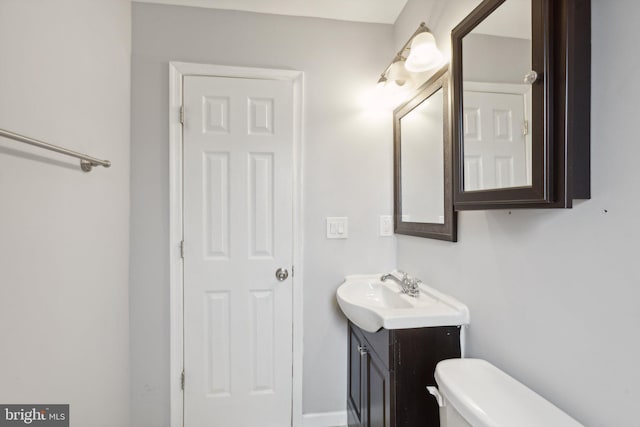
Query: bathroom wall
point(494, 59)
point(64, 78)
point(347, 172)
point(554, 294)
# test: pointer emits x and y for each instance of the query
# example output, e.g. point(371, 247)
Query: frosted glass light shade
point(398, 73)
point(424, 54)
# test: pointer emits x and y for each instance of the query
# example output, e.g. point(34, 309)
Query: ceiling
point(378, 11)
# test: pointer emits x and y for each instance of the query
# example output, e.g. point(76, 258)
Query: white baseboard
point(325, 419)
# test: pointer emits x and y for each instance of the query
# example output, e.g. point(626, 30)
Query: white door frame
point(177, 70)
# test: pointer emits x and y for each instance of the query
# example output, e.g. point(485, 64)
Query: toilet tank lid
point(487, 397)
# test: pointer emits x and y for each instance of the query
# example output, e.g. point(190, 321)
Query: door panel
point(495, 148)
point(238, 207)
point(379, 393)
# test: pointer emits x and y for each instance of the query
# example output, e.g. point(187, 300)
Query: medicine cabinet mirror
point(422, 163)
point(521, 93)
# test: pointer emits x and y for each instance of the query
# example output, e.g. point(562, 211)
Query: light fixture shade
point(424, 54)
point(398, 73)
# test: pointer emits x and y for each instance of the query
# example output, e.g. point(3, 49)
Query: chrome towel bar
point(86, 162)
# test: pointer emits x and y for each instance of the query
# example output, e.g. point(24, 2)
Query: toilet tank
point(477, 394)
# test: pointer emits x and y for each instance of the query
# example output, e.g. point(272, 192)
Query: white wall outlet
point(386, 225)
point(337, 227)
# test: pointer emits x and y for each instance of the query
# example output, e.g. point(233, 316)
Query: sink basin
point(372, 304)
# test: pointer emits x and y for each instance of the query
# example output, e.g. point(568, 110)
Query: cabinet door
point(356, 367)
point(379, 388)
point(417, 352)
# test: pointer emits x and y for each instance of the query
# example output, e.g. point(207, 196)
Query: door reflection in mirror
point(496, 100)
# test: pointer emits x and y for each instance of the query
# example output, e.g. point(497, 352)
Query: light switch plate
point(337, 227)
point(386, 225)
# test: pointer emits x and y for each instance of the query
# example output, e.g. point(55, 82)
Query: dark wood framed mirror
point(423, 201)
point(521, 76)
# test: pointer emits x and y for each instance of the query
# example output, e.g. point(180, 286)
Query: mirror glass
point(422, 174)
point(496, 98)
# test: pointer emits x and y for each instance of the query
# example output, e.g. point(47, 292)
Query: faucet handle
point(414, 287)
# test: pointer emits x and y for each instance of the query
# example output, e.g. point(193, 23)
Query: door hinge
point(525, 128)
point(182, 380)
point(182, 114)
point(182, 249)
point(293, 271)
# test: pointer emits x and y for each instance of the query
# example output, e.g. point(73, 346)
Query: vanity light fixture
point(420, 53)
point(382, 80)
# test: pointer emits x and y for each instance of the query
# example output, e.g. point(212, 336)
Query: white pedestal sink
point(372, 304)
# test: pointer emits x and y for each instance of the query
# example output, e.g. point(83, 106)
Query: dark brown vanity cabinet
point(389, 371)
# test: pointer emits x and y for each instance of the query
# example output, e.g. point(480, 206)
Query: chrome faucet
point(409, 285)
point(384, 277)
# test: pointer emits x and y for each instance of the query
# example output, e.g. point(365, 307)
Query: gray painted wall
point(494, 59)
point(554, 295)
point(64, 78)
point(347, 172)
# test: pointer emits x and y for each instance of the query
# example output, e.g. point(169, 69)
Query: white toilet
point(474, 393)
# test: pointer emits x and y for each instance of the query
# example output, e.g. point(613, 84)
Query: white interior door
point(495, 149)
point(238, 207)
